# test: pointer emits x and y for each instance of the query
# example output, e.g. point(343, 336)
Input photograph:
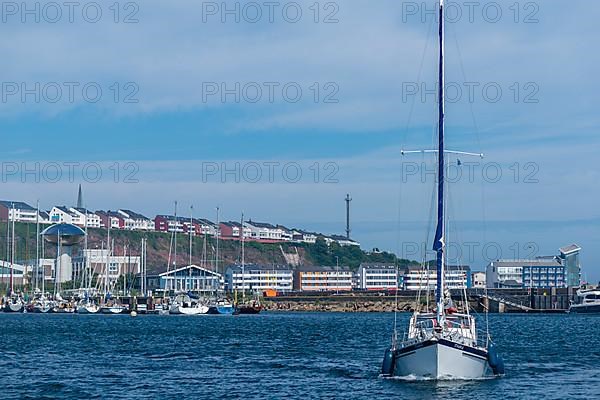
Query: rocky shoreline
point(341, 306)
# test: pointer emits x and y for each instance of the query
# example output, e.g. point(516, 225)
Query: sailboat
point(14, 302)
point(254, 306)
point(442, 343)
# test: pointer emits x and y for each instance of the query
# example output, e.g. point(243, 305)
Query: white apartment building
point(377, 277)
point(136, 222)
point(321, 279)
point(456, 277)
point(265, 231)
point(97, 259)
point(259, 277)
point(17, 211)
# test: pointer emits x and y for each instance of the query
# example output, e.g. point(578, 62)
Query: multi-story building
point(111, 219)
point(563, 270)
point(266, 231)
point(418, 278)
point(569, 258)
point(17, 211)
point(87, 217)
point(377, 277)
point(66, 215)
point(321, 279)
point(259, 277)
point(97, 259)
point(136, 222)
point(546, 275)
point(205, 227)
point(231, 229)
point(168, 223)
point(301, 236)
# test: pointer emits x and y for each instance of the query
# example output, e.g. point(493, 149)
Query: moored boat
point(588, 303)
point(185, 305)
point(221, 307)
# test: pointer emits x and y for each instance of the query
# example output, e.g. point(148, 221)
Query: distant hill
point(229, 250)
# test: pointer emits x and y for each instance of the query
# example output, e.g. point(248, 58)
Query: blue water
point(273, 356)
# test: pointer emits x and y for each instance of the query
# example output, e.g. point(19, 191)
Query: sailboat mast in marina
point(442, 343)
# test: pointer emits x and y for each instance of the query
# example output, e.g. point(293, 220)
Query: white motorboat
point(588, 302)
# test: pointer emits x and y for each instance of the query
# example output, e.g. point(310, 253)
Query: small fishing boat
point(588, 302)
point(249, 308)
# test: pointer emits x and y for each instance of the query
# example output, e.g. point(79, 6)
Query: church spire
point(79, 198)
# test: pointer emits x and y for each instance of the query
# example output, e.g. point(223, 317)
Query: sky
point(280, 109)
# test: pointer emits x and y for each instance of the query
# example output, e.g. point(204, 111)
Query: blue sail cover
point(438, 244)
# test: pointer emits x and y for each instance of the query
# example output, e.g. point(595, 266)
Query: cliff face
point(159, 245)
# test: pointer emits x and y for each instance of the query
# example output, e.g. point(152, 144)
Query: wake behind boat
point(442, 343)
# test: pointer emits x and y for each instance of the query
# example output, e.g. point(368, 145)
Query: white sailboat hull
point(179, 310)
point(441, 360)
point(88, 309)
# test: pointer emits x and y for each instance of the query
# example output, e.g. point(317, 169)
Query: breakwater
point(494, 300)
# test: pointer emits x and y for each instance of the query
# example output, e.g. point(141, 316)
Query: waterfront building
point(520, 273)
point(377, 276)
point(17, 211)
point(321, 279)
point(478, 280)
point(18, 272)
point(135, 221)
point(563, 270)
point(96, 260)
point(259, 277)
point(569, 257)
point(418, 278)
point(191, 278)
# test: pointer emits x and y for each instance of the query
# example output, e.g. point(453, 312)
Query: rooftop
point(18, 205)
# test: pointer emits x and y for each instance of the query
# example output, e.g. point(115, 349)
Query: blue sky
point(369, 58)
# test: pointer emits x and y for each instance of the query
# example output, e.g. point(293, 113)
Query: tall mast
point(12, 250)
point(218, 232)
point(243, 261)
point(37, 245)
point(190, 230)
point(175, 239)
point(84, 273)
point(438, 244)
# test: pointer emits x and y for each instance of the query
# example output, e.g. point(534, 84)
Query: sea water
point(276, 356)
